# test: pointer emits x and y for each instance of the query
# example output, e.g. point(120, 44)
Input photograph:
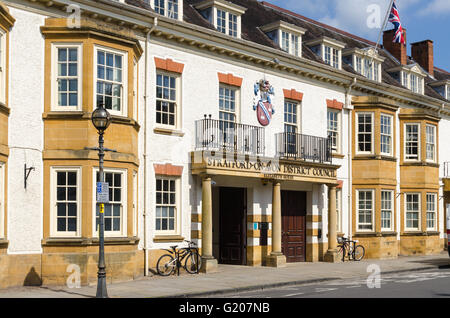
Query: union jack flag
point(394, 18)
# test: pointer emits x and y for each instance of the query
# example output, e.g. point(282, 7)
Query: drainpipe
point(147, 40)
point(349, 156)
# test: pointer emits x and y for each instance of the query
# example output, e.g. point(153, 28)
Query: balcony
point(303, 147)
point(218, 135)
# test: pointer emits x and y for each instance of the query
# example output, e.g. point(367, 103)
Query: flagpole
point(382, 28)
point(384, 24)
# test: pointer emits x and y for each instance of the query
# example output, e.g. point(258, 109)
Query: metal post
point(101, 274)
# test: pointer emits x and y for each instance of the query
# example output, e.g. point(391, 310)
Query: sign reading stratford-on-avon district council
point(265, 168)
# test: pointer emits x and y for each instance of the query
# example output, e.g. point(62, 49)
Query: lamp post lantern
point(101, 120)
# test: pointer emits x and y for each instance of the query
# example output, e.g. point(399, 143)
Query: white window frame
point(390, 153)
point(124, 202)
point(237, 99)
point(135, 89)
point(124, 98)
point(2, 200)
point(372, 114)
point(372, 211)
point(177, 214)
point(227, 22)
point(339, 210)
point(54, 75)
point(405, 79)
point(391, 210)
point(418, 142)
point(135, 203)
point(335, 56)
point(166, 11)
point(338, 131)
point(409, 229)
point(448, 91)
point(433, 159)
point(3, 66)
point(434, 211)
point(178, 113)
point(53, 201)
point(297, 113)
point(359, 64)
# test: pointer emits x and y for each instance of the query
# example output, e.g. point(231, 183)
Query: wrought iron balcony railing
point(303, 147)
point(218, 135)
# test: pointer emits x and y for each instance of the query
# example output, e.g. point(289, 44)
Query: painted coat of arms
point(262, 102)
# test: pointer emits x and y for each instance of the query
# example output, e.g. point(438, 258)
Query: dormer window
point(365, 62)
point(413, 81)
point(224, 15)
point(442, 87)
point(410, 76)
point(329, 50)
point(169, 8)
point(286, 35)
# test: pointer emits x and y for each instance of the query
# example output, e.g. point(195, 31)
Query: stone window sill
point(168, 238)
point(419, 163)
point(338, 156)
point(89, 241)
point(413, 233)
point(374, 157)
point(4, 243)
point(168, 131)
point(4, 109)
point(79, 114)
point(365, 234)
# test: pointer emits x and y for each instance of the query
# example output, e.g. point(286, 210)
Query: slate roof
point(262, 13)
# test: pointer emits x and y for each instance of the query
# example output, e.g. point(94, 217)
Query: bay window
point(111, 80)
point(65, 201)
point(66, 76)
point(115, 215)
point(386, 134)
point(431, 142)
point(365, 210)
point(412, 215)
point(431, 211)
point(387, 210)
point(412, 140)
point(364, 132)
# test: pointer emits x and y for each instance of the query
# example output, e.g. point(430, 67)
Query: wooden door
point(293, 213)
point(232, 226)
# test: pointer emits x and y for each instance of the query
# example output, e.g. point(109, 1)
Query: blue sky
point(423, 19)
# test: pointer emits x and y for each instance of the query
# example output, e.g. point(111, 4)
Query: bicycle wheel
point(166, 265)
point(193, 262)
point(358, 253)
point(340, 252)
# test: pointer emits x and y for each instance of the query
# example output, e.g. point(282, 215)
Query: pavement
point(233, 279)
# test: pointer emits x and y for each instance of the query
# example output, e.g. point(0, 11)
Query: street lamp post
point(101, 120)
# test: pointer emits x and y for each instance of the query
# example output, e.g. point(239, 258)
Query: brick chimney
point(422, 53)
point(398, 50)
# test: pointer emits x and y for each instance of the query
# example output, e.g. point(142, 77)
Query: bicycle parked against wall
point(349, 248)
point(168, 263)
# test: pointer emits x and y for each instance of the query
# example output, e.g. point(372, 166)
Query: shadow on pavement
point(441, 263)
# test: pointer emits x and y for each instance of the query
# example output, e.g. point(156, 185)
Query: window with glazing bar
point(166, 99)
point(386, 134)
point(166, 204)
point(412, 211)
point(412, 141)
